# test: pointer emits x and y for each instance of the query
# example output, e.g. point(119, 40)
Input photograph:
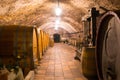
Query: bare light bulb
point(58, 11)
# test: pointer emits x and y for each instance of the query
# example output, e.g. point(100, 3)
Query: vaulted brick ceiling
point(41, 12)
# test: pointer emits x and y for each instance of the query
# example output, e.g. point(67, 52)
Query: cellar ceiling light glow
point(58, 11)
point(56, 27)
point(57, 21)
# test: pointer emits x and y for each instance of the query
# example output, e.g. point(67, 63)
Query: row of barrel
point(22, 46)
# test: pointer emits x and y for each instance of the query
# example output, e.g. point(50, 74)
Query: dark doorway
point(56, 38)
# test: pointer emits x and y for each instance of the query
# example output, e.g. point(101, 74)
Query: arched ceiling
point(41, 12)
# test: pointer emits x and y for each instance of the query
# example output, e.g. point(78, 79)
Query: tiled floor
point(58, 64)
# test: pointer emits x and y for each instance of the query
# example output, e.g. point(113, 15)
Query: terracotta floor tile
point(59, 74)
point(49, 78)
point(67, 71)
point(41, 72)
point(58, 70)
point(43, 68)
point(68, 76)
point(59, 78)
point(80, 79)
point(39, 77)
point(58, 64)
point(50, 74)
point(68, 79)
point(52, 62)
point(66, 68)
point(52, 68)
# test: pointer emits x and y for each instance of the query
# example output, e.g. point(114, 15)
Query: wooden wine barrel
point(108, 44)
point(45, 41)
point(42, 41)
point(40, 36)
point(88, 63)
point(18, 45)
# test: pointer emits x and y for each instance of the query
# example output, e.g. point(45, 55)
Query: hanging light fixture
point(58, 10)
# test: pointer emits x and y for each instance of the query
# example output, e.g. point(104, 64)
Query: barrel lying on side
point(18, 46)
point(43, 42)
point(108, 46)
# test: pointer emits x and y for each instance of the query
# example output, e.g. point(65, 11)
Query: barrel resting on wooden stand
point(88, 63)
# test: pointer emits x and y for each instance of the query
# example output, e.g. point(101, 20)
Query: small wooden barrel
point(88, 62)
point(18, 45)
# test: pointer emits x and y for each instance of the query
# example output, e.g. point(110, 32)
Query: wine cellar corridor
point(59, 39)
point(58, 63)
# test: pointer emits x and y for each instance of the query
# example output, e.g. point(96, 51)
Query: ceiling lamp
point(58, 10)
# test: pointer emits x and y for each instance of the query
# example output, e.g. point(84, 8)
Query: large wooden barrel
point(42, 41)
point(18, 45)
point(45, 41)
point(40, 36)
point(108, 44)
point(88, 62)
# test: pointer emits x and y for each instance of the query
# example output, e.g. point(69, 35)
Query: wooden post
point(94, 14)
